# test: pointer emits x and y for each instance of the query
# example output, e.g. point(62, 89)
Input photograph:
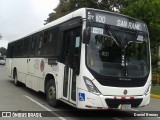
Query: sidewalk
point(155, 96)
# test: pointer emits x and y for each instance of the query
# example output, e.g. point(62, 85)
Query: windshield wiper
point(113, 34)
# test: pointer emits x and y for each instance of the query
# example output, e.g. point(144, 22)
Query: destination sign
point(116, 20)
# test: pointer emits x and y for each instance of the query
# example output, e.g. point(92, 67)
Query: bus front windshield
point(119, 53)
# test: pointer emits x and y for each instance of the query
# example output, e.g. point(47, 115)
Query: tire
point(16, 82)
point(51, 93)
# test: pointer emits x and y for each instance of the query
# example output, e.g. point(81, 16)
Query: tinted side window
point(10, 50)
point(39, 44)
point(49, 43)
point(33, 45)
point(15, 49)
point(25, 47)
point(19, 49)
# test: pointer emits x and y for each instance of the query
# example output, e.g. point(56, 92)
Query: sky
point(19, 17)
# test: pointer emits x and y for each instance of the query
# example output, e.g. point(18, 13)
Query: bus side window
point(48, 43)
point(40, 41)
point(25, 47)
point(33, 45)
point(15, 49)
point(10, 50)
point(18, 49)
point(45, 37)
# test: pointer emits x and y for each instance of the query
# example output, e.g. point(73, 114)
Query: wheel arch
point(14, 70)
point(48, 77)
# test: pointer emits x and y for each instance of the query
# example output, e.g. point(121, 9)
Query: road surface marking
point(44, 107)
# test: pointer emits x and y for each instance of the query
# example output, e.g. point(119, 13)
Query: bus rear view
point(117, 60)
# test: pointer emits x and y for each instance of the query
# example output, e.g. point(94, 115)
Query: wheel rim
point(51, 93)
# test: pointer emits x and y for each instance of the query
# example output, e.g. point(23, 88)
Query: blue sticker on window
point(81, 97)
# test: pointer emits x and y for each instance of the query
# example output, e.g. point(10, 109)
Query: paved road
point(23, 99)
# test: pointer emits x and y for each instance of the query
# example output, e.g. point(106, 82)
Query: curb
point(155, 96)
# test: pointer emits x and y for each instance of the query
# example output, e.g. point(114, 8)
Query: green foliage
point(156, 70)
point(3, 51)
point(149, 12)
point(67, 6)
point(154, 82)
point(155, 58)
point(155, 90)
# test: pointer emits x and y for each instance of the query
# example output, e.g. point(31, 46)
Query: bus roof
point(78, 13)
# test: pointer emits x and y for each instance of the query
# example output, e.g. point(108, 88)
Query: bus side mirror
point(86, 35)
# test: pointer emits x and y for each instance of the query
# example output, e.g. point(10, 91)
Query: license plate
point(125, 106)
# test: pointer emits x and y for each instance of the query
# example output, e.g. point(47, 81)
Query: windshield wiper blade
point(113, 34)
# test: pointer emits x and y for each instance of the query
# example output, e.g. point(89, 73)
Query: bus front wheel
point(51, 93)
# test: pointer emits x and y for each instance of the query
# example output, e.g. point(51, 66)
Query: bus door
point(71, 60)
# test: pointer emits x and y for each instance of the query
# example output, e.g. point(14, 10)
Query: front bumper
point(92, 101)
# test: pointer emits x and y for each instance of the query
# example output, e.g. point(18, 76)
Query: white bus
point(90, 59)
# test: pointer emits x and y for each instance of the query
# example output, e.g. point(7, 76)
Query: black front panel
point(118, 82)
point(114, 103)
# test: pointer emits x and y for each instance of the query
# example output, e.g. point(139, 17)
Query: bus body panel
point(8, 66)
point(106, 90)
point(21, 68)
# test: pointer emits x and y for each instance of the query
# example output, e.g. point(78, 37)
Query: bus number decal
point(100, 19)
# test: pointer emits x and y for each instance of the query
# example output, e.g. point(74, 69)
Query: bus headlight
point(148, 89)
point(90, 86)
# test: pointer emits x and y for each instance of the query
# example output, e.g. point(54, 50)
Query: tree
point(149, 12)
point(67, 6)
point(3, 51)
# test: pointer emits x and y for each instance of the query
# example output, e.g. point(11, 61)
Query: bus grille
point(115, 82)
point(114, 103)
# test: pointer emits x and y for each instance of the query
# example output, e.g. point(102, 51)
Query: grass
point(155, 90)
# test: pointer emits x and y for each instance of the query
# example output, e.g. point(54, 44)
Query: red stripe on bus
point(123, 98)
point(132, 98)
